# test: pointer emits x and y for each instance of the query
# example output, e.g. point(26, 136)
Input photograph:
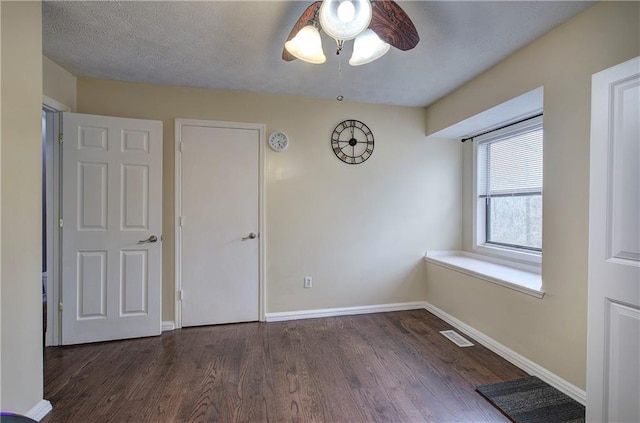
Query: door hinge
point(60, 306)
point(180, 295)
point(60, 223)
point(181, 147)
point(181, 221)
point(60, 138)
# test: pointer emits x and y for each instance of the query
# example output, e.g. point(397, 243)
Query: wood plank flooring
point(387, 367)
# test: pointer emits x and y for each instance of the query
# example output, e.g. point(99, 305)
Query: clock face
point(278, 141)
point(352, 141)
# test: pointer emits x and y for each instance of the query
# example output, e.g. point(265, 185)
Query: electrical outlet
point(308, 281)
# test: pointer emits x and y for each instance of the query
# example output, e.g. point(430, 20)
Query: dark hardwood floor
point(388, 367)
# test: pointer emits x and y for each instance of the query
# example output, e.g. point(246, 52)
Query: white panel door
point(218, 236)
point(613, 354)
point(111, 237)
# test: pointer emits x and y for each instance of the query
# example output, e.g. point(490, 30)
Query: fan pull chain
point(340, 97)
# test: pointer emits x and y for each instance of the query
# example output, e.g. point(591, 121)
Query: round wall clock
point(352, 141)
point(278, 141)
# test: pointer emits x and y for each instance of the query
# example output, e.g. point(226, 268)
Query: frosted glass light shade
point(367, 47)
point(307, 45)
point(345, 19)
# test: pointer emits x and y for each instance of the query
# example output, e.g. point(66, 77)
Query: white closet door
point(219, 233)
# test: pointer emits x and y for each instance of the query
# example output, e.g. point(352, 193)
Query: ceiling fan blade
point(393, 25)
point(303, 20)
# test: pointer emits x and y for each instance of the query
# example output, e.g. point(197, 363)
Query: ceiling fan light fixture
point(367, 47)
point(307, 45)
point(346, 11)
point(345, 19)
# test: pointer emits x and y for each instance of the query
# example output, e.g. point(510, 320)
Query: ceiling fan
point(376, 25)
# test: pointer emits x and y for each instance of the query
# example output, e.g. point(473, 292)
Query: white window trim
point(478, 243)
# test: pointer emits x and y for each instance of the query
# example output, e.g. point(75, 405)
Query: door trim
point(261, 128)
point(54, 104)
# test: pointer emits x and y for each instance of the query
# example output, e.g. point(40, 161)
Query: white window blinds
point(511, 165)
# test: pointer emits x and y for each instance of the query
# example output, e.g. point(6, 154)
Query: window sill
point(492, 270)
point(511, 258)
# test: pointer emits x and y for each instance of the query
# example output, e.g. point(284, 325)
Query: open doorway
point(49, 124)
point(51, 129)
point(44, 228)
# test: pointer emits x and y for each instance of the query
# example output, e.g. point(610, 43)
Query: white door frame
point(54, 257)
point(261, 128)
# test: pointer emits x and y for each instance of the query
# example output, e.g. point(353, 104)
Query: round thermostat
point(278, 141)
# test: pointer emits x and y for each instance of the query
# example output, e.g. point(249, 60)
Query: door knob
point(151, 239)
point(250, 236)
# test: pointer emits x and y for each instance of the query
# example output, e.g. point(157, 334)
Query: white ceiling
point(237, 45)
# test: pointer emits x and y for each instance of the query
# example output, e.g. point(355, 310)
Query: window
point(509, 189)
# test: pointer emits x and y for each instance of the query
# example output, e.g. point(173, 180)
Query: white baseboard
point(512, 356)
point(39, 410)
point(168, 325)
point(341, 311)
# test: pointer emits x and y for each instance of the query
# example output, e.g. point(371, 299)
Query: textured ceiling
point(237, 45)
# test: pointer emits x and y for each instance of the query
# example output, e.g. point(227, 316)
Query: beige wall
point(21, 197)
point(360, 231)
point(551, 332)
point(58, 84)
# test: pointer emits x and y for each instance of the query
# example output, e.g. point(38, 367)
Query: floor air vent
point(456, 338)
